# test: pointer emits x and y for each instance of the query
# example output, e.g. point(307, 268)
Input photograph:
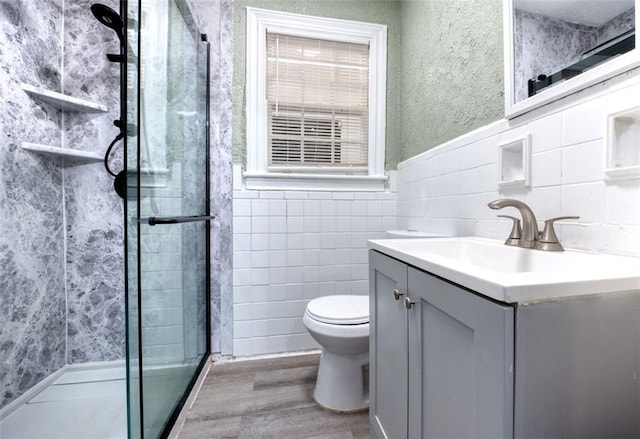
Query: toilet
point(340, 324)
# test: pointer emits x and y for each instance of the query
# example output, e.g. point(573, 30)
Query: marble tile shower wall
point(216, 22)
point(290, 247)
point(32, 295)
point(49, 320)
point(94, 213)
point(447, 189)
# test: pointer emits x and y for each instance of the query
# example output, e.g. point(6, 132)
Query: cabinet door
point(388, 347)
point(460, 362)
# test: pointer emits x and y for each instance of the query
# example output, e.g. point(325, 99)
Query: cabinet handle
point(397, 294)
point(408, 303)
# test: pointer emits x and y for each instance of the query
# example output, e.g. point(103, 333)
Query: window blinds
point(317, 104)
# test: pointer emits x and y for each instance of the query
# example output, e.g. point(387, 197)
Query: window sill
point(311, 182)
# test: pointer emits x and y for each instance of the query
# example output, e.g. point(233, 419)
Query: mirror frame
point(592, 76)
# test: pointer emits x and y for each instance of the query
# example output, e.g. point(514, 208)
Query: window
point(315, 102)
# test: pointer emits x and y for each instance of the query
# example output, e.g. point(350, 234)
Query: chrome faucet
point(530, 231)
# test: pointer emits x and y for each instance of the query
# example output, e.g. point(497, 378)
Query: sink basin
point(513, 274)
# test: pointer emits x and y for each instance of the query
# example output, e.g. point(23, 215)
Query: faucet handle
point(548, 238)
point(516, 231)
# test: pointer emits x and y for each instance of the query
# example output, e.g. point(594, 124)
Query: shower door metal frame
point(152, 221)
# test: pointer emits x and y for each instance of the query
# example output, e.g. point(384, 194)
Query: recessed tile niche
point(623, 145)
point(514, 163)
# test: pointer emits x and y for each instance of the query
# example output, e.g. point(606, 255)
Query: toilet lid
point(340, 310)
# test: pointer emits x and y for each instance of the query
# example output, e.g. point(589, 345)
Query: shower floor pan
point(77, 404)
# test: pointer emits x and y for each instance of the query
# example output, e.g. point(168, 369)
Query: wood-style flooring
point(267, 398)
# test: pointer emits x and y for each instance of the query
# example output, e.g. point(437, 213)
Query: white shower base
point(80, 402)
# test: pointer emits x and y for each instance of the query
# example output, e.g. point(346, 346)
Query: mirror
point(555, 48)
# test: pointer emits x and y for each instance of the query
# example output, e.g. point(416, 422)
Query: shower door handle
point(155, 220)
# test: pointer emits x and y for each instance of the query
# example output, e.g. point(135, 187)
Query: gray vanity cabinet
point(460, 362)
point(441, 357)
point(388, 391)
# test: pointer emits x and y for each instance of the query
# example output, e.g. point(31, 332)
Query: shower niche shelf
point(56, 151)
point(63, 101)
point(514, 163)
point(623, 145)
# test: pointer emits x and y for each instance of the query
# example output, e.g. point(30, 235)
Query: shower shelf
point(62, 101)
point(62, 152)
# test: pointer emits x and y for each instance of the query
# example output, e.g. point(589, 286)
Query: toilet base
point(340, 386)
point(343, 412)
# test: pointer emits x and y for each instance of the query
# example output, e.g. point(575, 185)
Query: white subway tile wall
point(446, 189)
point(291, 247)
point(161, 278)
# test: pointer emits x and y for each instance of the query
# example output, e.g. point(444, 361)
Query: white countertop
point(512, 274)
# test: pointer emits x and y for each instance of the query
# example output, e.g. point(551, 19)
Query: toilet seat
point(340, 310)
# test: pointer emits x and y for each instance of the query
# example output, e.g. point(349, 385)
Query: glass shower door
point(167, 212)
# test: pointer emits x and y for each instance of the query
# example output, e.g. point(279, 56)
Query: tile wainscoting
point(291, 247)
point(446, 189)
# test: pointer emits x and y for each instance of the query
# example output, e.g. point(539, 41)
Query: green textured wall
point(372, 11)
point(444, 74)
point(452, 70)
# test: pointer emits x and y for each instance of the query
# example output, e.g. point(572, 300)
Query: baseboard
point(267, 356)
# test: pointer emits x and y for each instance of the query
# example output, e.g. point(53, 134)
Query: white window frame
point(257, 176)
